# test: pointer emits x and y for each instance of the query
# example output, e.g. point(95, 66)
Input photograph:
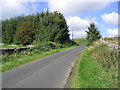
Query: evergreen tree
point(50, 26)
point(92, 34)
point(25, 34)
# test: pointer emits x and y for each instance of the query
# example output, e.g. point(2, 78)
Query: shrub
point(44, 46)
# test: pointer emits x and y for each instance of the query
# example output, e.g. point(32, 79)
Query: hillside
point(80, 40)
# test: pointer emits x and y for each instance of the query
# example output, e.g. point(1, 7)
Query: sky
point(78, 14)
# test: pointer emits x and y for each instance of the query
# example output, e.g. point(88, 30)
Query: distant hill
point(80, 40)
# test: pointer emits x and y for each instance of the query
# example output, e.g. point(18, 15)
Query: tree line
point(45, 26)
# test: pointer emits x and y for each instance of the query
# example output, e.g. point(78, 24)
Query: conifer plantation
point(47, 32)
point(42, 27)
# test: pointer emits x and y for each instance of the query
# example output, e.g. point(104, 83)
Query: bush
point(44, 46)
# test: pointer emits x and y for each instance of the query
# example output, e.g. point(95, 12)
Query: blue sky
point(78, 14)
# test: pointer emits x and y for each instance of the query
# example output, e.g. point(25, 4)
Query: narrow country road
point(49, 72)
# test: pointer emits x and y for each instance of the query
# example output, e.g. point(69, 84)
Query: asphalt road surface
point(49, 72)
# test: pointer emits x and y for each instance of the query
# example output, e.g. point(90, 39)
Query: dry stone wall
point(12, 50)
point(111, 45)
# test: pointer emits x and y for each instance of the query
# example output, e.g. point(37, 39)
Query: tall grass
point(107, 58)
point(98, 68)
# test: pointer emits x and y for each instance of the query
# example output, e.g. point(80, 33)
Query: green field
point(96, 68)
point(80, 40)
point(14, 60)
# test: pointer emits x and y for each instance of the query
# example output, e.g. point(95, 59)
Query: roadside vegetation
point(97, 68)
point(47, 31)
point(80, 40)
point(31, 54)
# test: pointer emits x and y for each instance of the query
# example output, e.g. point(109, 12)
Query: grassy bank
point(21, 59)
point(80, 40)
point(97, 68)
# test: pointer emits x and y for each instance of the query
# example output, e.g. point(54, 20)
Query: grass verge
point(93, 73)
point(72, 79)
point(26, 59)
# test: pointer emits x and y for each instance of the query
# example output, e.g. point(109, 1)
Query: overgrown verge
point(97, 68)
point(31, 54)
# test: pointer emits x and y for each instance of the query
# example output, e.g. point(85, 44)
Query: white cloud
point(68, 7)
point(113, 32)
point(79, 34)
point(69, 0)
point(11, 8)
point(21, 0)
point(111, 18)
point(78, 25)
